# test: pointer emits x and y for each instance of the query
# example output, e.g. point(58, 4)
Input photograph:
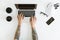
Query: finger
point(22, 16)
point(18, 16)
point(30, 18)
point(20, 13)
point(34, 18)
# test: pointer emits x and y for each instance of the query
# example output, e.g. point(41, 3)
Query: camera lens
point(9, 18)
point(8, 10)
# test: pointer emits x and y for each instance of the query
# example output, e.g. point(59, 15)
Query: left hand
point(20, 18)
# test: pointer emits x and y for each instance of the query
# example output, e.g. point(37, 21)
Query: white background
point(44, 31)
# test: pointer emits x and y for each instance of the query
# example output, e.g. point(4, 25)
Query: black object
point(27, 13)
point(25, 6)
point(9, 18)
point(8, 10)
point(26, 9)
point(56, 5)
point(50, 20)
point(44, 14)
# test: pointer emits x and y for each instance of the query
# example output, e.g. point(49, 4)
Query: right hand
point(33, 21)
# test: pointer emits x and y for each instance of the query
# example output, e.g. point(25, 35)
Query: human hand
point(33, 21)
point(20, 18)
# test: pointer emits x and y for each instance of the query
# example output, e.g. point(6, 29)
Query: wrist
point(32, 26)
point(19, 24)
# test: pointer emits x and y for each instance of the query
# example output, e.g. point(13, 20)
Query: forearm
point(33, 30)
point(17, 34)
point(33, 27)
point(34, 34)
